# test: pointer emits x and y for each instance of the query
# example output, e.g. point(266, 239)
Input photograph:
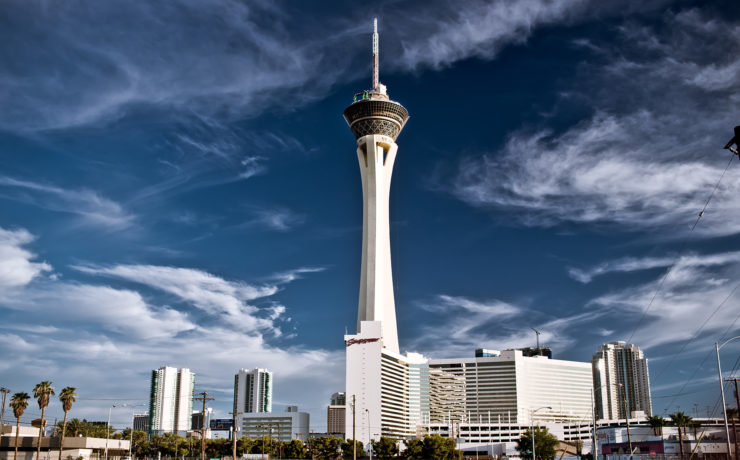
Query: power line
point(709, 353)
point(678, 255)
point(698, 331)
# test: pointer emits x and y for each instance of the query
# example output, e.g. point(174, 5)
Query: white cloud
point(467, 324)
point(92, 208)
point(244, 58)
point(647, 158)
point(685, 304)
point(16, 265)
point(278, 218)
point(208, 292)
point(631, 264)
point(446, 33)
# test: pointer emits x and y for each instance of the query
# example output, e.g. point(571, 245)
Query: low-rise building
point(75, 447)
point(282, 426)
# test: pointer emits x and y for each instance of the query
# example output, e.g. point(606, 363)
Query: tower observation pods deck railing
point(376, 116)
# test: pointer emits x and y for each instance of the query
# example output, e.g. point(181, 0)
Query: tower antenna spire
point(376, 76)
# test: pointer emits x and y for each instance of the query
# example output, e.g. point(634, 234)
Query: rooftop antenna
point(376, 76)
point(538, 336)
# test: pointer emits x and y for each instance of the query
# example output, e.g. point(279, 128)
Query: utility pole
point(354, 441)
point(5, 392)
point(627, 417)
point(203, 397)
point(737, 400)
point(236, 415)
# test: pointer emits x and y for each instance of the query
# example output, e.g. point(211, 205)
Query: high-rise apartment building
point(253, 391)
point(621, 381)
point(171, 400)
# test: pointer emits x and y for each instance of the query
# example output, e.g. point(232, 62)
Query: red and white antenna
point(376, 76)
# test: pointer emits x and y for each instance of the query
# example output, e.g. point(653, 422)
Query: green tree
point(325, 447)
point(139, 442)
point(385, 448)
point(67, 396)
point(414, 449)
point(244, 445)
point(42, 392)
point(294, 449)
point(679, 419)
point(545, 444)
point(657, 423)
point(348, 449)
point(435, 446)
point(19, 403)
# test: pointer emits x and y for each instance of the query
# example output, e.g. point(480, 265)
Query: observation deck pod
point(374, 113)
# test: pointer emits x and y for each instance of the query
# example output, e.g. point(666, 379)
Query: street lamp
point(131, 440)
point(722, 387)
point(531, 425)
point(369, 441)
point(107, 431)
point(626, 410)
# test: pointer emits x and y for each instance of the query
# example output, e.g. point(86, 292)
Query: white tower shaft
point(376, 155)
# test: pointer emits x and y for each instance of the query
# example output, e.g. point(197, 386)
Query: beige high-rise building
point(621, 381)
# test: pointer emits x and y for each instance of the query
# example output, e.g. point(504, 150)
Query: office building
point(335, 415)
point(338, 399)
point(510, 386)
point(253, 391)
point(282, 426)
point(171, 400)
point(621, 381)
point(141, 422)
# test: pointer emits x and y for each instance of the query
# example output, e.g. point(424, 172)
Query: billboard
point(222, 424)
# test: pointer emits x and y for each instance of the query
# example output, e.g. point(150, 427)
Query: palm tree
point(18, 402)
point(680, 420)
point(42, 392)
point(657, 423)
point(67, 397)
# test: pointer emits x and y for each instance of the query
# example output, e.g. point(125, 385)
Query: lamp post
point(626, 410)
point(722, 391)
point(531, 425)
point(369, 440)
point(131, 440)
point(626, 416)
point(107, 431)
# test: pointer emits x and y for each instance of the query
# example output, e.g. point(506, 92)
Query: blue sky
point(178, 187)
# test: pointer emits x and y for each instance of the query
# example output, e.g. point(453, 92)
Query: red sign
point(354, 341)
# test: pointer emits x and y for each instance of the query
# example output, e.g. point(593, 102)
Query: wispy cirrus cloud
point(280, 219)
point(209, 293)
point(649, 155)
point(632, 264)
point(688, 304)
point(90, 207)
point(467, 324)
point(71, 72)
point(478, 29)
